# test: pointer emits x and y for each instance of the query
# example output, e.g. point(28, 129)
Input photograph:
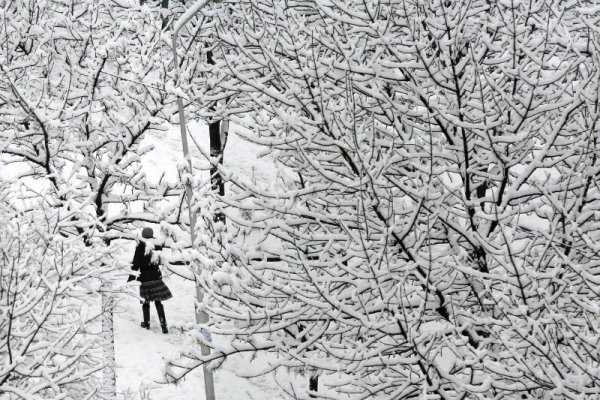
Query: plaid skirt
point(155, 291)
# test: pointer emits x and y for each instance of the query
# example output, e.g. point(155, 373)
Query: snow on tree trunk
point(109, 382)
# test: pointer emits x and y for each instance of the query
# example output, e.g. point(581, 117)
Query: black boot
point(160, 310)
point(146, 312)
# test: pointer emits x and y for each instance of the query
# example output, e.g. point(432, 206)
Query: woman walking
point(152, 288)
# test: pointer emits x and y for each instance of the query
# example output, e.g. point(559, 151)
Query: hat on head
point(147, 233)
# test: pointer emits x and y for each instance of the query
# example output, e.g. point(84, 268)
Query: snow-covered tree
point(49, 296)
point(81, 84)
point(433, 227)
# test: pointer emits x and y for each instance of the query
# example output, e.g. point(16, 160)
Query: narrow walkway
point(141, 354)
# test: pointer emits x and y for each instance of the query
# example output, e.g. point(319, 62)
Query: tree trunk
point(313, 385)
point(109, 386)
point(165, 20)
point(218, 137)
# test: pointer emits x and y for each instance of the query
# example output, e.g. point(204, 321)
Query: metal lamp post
point(201, 317)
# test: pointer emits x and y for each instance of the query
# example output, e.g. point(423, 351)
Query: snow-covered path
point(141, 354)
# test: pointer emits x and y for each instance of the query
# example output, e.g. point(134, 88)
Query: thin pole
point(201, 316)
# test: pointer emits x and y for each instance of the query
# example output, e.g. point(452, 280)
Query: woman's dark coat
point(142, 261)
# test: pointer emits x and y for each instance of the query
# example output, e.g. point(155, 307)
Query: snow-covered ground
point(141, 354)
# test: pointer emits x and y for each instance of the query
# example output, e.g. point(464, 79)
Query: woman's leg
point(146, 313)
point(160, 310)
